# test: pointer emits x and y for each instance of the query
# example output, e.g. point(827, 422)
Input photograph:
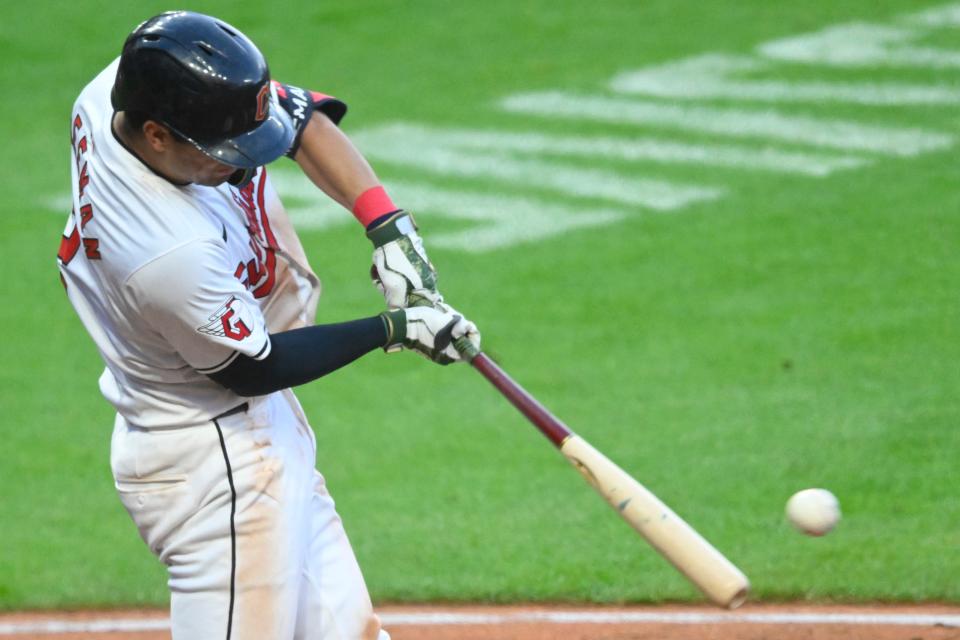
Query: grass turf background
point(796, 333)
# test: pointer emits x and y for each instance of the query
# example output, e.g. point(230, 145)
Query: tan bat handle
point(667, 532)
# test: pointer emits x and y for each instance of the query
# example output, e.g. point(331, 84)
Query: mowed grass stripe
point(863, 44)
point(440, 158)
point(498, 220)
point(629, 148)
point(735, 122)
point(715, 75)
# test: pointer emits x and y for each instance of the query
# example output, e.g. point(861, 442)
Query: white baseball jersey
point(172, 282)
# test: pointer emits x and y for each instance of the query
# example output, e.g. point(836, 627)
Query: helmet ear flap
point(241, 177)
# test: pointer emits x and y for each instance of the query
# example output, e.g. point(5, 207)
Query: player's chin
point(213, 179)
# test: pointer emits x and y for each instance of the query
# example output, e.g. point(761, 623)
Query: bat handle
point(548, 424)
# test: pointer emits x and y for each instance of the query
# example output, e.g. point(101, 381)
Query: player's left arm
point(401, 269)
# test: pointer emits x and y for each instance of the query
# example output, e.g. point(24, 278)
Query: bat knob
point(466, 348)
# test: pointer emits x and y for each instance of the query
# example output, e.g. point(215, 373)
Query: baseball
point(815, 512)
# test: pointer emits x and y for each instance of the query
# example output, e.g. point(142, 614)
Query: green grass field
point(779, 331)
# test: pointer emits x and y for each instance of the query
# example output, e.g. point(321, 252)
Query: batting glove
point(428, 331)
point(401, 269)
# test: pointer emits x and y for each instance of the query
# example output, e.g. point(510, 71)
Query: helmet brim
point(271, 139)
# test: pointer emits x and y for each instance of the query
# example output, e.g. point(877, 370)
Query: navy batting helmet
point(208, 83)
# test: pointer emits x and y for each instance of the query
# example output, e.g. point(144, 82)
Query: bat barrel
point(717, 577)
point(688, 551)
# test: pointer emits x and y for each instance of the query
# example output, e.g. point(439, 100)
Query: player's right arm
point(302, 355)
point(194, 304)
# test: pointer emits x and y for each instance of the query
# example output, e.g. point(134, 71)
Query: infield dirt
point(504, 629)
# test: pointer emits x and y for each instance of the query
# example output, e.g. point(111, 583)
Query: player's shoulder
point(185, 266)
point(158, 225)
point(135, 214)
point(92, 111)
point(96, 93)
point(139, 217)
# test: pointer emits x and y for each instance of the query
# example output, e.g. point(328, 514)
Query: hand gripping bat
point(669, 534)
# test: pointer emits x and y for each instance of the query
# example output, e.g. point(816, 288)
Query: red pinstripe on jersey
point(259, 274)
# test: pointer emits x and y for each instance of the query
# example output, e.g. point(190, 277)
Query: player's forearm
point(332, 163)
point(301, 355)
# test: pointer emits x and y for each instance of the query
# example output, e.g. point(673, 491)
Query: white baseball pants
point(241, 518)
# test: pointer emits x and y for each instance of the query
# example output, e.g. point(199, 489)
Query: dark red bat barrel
point(548, 424)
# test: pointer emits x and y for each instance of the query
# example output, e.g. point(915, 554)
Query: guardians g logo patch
point(228, 321)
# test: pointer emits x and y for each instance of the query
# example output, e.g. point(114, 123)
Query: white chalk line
point(438, 618)
point(105, 625)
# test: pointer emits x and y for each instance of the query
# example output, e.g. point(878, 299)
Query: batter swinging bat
point(676, 540)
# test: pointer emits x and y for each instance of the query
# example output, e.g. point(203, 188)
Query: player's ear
point(157, 136)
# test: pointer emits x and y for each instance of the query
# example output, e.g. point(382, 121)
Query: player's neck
point(138, 147)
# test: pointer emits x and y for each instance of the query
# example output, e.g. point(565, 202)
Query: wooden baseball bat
point(688, 551)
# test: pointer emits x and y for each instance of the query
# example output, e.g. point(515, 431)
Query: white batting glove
point(430, 332)
point(401, 269)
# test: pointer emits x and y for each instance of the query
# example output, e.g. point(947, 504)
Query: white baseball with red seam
point(814, 512)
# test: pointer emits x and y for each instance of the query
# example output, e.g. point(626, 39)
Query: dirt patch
point(751, 622)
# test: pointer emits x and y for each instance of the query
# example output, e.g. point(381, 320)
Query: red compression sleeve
point(372, 203)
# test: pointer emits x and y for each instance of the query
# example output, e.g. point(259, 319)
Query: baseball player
point(183, 267)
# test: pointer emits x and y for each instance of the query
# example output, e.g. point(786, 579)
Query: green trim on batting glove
point(395, 322)
point(398, 225)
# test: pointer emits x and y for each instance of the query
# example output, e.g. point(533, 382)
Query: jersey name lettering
point(71, 241)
